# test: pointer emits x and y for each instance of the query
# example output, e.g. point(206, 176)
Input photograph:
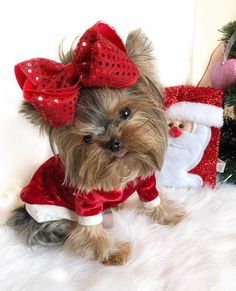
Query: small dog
point(112, 147)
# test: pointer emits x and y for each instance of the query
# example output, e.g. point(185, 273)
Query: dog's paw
point(120, 256)
point(168, 212)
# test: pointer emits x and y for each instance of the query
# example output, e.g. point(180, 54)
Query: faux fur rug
point(198, 254)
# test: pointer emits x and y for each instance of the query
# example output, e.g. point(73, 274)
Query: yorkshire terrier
point(111, 138)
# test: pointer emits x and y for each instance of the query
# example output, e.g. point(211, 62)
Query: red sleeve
point(147, 189)
point(89, 206)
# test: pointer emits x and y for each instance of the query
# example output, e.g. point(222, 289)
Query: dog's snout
point(113, 145)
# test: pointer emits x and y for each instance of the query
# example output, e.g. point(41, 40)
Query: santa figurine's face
point(178, 127)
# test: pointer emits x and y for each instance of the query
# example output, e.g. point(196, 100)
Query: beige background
point(210, 15)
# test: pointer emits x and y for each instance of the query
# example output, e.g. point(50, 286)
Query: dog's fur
point(92, 166)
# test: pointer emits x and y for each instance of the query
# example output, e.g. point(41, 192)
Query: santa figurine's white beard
point(183, 154)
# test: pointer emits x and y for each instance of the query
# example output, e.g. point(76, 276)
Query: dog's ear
point(140, 51)
point(29, 111)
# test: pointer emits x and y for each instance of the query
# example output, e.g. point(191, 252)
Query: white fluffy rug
point(198, 254)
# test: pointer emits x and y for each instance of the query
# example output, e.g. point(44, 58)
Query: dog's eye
point(170, 124)
point(125, 113)
point(88, 138)
point(181, 125)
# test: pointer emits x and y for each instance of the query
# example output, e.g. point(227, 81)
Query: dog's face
point(118, 134)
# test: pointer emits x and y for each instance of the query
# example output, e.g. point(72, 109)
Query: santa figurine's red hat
point(201, 105)
point(197, 104)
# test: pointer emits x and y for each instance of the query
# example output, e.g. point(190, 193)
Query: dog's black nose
point(113, 145)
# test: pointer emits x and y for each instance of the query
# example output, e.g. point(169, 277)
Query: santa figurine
point(194, 116)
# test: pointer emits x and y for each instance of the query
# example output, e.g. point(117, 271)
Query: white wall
point(183, 32)
point(35, 28)
point(211, 15)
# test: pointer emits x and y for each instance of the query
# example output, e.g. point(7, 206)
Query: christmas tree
point(228, 135)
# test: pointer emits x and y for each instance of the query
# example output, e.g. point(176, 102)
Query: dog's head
point(117, 134)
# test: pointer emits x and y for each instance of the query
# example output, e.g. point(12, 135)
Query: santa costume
point(48, 198)
point(191, 157)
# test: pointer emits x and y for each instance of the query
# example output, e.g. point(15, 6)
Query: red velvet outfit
point(47, 198)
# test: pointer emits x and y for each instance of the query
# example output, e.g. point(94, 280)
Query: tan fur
point(168, 212)
point(143, 135)
point(95, 242)
point(93, 166)
point(141, 52)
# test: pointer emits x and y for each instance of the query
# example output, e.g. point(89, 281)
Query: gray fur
point(34, 233)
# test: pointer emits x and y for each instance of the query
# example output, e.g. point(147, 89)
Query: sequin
point(49, 79)
point(206, 95)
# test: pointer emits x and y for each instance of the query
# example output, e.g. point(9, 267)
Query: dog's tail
point(34, 233)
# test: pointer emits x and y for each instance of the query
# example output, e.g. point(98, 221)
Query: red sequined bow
point(100, 60)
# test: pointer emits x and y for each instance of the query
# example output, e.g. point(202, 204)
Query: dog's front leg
point(167, 212)
point(94, 241)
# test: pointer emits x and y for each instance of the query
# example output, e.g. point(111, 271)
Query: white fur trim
point(151, 204)
point(43, 213)
point(90, 220)
point(210, 115)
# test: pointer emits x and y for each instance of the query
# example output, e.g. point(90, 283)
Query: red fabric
point(207, 167)
point(100, 60)
point(204, 95)
point(46, 187)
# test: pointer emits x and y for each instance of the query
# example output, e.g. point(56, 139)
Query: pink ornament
point(223, 75)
